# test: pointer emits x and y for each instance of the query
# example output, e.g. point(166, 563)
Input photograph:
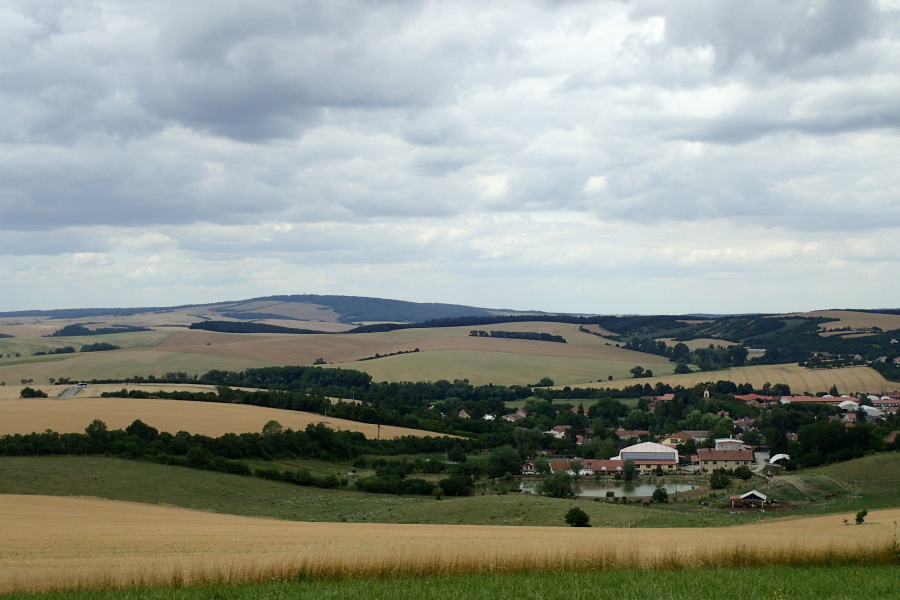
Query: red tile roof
point(711, 454)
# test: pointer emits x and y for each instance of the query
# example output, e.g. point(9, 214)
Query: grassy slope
point(116, 479)
point(870, 482)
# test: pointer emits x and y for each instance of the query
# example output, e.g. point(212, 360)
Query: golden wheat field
point(51, 543)
point(72, 415)
point(848, 380)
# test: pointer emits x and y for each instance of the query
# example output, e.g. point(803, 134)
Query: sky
point(605, 156)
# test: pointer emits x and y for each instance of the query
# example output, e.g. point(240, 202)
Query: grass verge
point(766, 583)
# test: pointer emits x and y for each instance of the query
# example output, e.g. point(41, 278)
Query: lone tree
point(629, 470)
point(577, 517)
point(660, 495)
point(861, 516)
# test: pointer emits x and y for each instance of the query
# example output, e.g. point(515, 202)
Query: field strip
point(72, 415)
point(55, 543)
point(848, 380)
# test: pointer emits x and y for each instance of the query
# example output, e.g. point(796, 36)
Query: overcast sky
point(715, 156)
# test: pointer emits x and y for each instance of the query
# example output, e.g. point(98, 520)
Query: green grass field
point(115, 479)
point(771, 583)
point(873, 481)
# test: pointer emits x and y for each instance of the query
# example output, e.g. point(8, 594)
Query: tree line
point(519, 335)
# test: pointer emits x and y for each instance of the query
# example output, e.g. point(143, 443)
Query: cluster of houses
point(651, 457)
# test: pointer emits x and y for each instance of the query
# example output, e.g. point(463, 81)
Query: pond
point(622, 490)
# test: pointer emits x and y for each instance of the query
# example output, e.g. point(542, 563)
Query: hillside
point(400, 355)
point(407, 341)
point(305, 311)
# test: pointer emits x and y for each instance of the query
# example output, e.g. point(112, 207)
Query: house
point(697, 435)
point(516, 416)
point(731, 444)
point(675, 439)
point(464, 415)
point(747, 398)
point(710, 459)
point(560, 465)
point(814, 399)
point(886, 402)
point(602, 467)
point(559, 431)
point(624, 434)
point(745, 423)
point(528, 468)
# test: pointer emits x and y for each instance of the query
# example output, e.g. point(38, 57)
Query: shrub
point(577, 517)
point(660, 495)
point(28, 392)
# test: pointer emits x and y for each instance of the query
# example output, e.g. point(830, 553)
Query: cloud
point(353, 143)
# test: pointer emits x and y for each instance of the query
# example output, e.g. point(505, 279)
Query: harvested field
point(853, 319)
point(499, 368)
point(57, 543)
point(698, 343)
point(72, 415)
point(444, 353)
point(295, 349)
point(848, 380)
point(118, 364)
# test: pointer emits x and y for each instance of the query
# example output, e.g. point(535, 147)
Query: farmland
point(443, 353)
point(800, 379)
point(48, 543)
point(72, 415)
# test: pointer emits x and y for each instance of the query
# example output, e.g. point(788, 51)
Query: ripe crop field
point(72, 415)
point(848, 380)
point(51, 543)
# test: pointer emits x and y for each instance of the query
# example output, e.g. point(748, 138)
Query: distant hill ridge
point(351, 309)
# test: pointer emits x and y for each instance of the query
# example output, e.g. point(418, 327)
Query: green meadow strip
point(774, 583)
